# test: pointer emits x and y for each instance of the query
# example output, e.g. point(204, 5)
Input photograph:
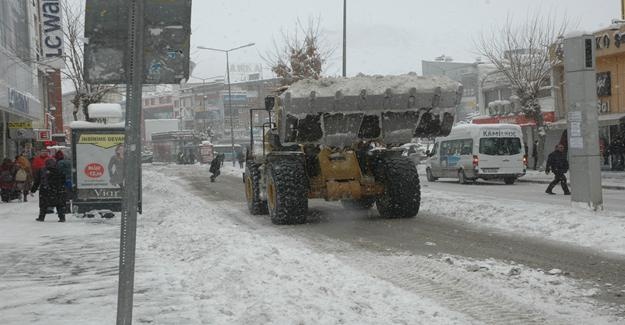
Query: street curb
point(606, 187)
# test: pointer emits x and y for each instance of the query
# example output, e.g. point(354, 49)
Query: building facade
point(465, 73)
point(610, 73)
point(20, 83)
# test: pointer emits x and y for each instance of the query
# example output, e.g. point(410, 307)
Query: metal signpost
point(135, 42)
point(583, 133)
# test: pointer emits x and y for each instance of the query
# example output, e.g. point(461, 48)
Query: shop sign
point(52, 33)
point(43, 135)
point(21, 134)
point(606, 41)
point(21, 125)
point(603, 106)
point(519, 119)
point(604, 84)
point(18, 101)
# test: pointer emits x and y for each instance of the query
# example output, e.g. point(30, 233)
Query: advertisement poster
point(99, 165)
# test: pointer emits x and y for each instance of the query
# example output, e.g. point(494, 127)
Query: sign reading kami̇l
point(167, 36)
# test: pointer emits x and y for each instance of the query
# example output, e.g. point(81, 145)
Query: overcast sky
point(385, 37)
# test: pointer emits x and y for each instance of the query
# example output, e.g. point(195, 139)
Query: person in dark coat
point(216, 165)
point(535, 154)
point(558, 163)
point(65, 166)
point(241, 159)
point(50, 181)
point(7, 180)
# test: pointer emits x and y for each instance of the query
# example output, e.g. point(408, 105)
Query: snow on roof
point(93, 125)
point(374, 85)
point(577, 33)
point(104, 110)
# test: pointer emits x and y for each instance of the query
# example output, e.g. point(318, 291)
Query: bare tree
point(525, 55)
point(86, 93)
point(73, 68)
point(301, 54)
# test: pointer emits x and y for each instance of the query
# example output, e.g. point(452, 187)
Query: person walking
point(7, 180)
point(535, 154)
point(23, 176)
point(39, 162)
point(241, 159)
point(65, 166)
point(558, 163)
point(216, 166)
point(50, 181)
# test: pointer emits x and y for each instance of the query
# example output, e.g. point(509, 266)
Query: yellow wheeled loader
point(339, 138)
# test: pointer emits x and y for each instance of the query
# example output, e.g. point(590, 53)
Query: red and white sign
point(94, 170)
point(43, 135)
point(519, 119)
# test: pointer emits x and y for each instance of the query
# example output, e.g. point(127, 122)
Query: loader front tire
point(252, 177)
point(287, 192)
point(402, 192)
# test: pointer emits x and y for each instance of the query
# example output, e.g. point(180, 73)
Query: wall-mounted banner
point(17, 101)
point(52, 33)
point(99, 164)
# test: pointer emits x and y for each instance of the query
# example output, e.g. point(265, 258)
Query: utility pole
point(132, 168)
point(345, 38)
point(583, 123)
point(623, 9)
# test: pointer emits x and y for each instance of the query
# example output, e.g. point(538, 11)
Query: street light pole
point(229, 91)
point(230, 108)
point(345, 38)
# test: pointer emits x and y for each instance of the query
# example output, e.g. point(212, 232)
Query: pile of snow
point(598, 230)
point(105, 110)
point(95, 125)
point(373, 85)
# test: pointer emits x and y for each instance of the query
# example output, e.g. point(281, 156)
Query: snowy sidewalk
point(609, 179)
point(194, 265)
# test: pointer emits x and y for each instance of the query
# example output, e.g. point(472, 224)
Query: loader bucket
point(393, 109)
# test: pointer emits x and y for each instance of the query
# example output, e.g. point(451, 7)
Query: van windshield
point(500, 146)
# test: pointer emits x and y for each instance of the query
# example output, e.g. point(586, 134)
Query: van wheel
point(462, 178)
point(509, 180)
point(430, 176)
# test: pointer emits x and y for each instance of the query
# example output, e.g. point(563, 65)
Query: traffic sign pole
point(132, 168)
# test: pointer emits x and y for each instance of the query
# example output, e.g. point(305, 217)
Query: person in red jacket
point(39, 162)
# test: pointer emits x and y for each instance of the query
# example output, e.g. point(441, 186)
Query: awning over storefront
point(611, 119)
point(520, 119)
point(604, 120)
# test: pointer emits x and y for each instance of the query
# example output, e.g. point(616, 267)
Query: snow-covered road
point(201, 259)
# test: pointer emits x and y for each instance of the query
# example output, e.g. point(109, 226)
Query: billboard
point(166, 37)
point(52, 33)
point(99, 164)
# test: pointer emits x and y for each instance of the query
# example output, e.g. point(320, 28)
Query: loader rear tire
point(361, 204)
point(402, 192)
point(252, 177)
point(287, 192)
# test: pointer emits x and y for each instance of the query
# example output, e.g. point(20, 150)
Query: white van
point(472, 151)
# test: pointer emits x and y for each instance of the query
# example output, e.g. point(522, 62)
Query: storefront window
point(604, 142)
